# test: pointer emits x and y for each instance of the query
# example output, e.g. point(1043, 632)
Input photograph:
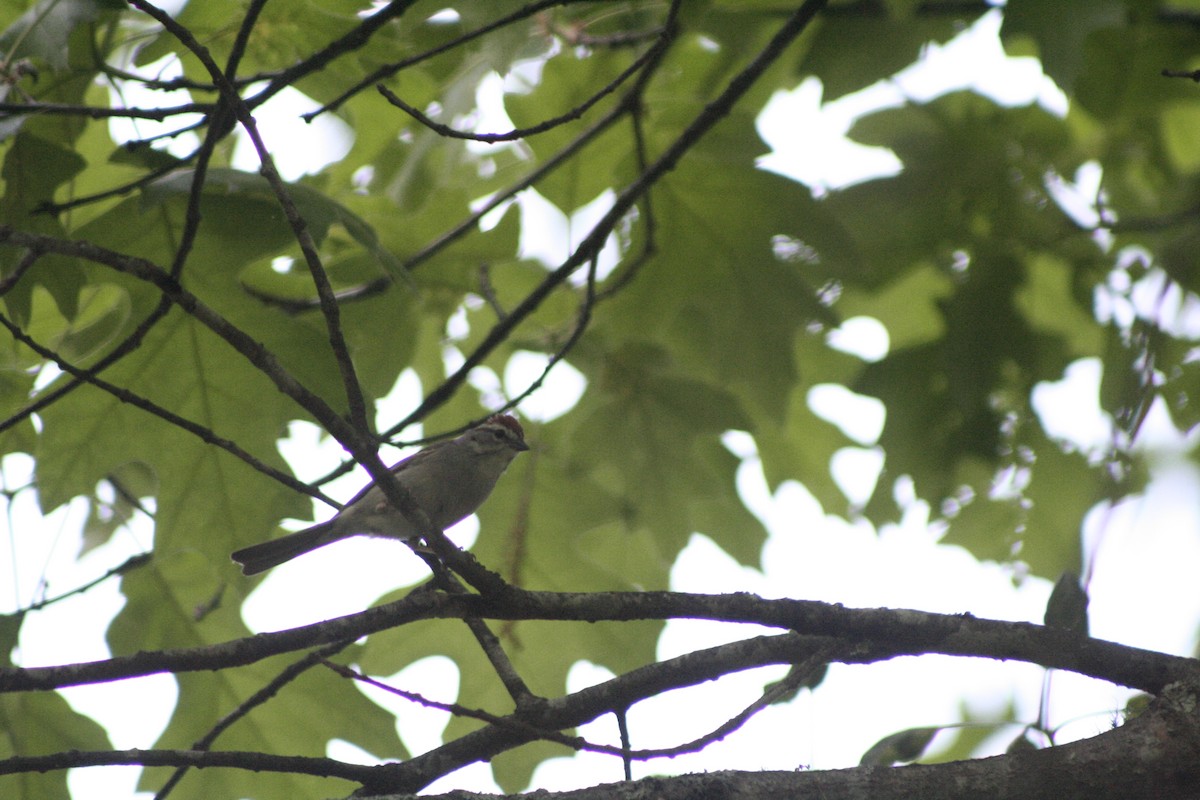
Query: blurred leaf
point(855, 50)
point(1022, 744)
point(1067, 607)
point(975, 730)
point(800, 676)
point(58, 727)
point(1137, 705)
point(1060, 30)
point(44, 31)
point(907, 745)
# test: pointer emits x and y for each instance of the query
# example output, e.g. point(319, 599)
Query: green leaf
point(101, 311)
point(1040, 523)
point(907, 306)
point(855, 50)
point(58, 728)
point(34, 169)
point(734, 322)
point(1065, 486)
point(973, 732)
point(183, 368)
point(129, 483)
point(1180, 122)
point(568, 80)
point(1060, 31)
point(45, 30)
point(1128, 82)
point(901, 746)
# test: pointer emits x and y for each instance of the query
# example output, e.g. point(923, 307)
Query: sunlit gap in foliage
point(1137, 295)
point(311, 145)
point(135, 94)
point(809, 143)
point(808, 138)
point(562, 387)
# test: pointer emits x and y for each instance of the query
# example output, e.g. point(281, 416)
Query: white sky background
point(1142, 591)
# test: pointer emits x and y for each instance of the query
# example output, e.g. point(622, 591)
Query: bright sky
point(1137, 597)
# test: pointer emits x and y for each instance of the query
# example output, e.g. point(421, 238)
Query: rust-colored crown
point(509, 422)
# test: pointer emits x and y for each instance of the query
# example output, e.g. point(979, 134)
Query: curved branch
point(520, 133)
point(389, 70)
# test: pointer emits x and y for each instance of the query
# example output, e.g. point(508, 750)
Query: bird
point(449, 480)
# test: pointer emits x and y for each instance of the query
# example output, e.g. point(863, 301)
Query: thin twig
point(101, 112)
point(356, 402)
point(594, 241)
point(54, 209)
point(286, 676)
point(633, 266)
point(389, 70)
point(622, 715)
point(131, 563)
point(10, 280)
point(521, 133)
point(513, 683)
point(252, 350)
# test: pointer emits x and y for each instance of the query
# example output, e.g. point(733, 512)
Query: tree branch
point(907, 632)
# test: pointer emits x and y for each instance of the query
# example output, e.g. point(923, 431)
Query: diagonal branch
point(239, 340)
point(203, 433)
point(285, 676)
point(329, 306)
point(713, 113)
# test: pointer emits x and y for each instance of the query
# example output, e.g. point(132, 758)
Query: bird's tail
point(261, 557)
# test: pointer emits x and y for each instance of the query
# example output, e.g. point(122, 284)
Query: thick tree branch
point(907, 632)
point(1155, 755)
point(687, 670)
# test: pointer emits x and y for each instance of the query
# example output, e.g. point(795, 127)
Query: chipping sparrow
point(448, 480)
